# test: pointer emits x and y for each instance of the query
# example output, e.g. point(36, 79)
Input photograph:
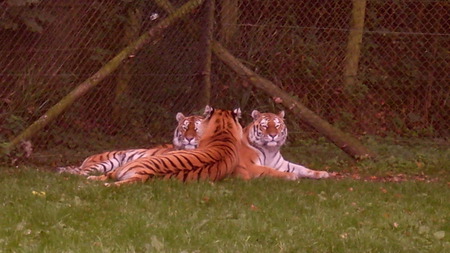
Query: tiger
point(186, 136)
point(217, 156)
point(266, 134)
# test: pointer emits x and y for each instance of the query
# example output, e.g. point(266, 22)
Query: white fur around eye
point(197, 124)
point(264, 123)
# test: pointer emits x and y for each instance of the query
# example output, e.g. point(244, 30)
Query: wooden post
point(229, 15)
point(353, 50)
point(205, 49)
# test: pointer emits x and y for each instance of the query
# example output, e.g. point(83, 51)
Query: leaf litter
point(394, 178)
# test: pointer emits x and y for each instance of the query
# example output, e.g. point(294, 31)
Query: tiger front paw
point(321, 174)
point(98, 178)
point(293, 176)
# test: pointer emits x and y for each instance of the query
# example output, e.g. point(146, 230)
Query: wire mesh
point(49, 47)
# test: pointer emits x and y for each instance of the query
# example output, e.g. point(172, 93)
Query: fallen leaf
point(439, 235)
point(156, 244)
point(424, 229)
point(290, 232)
point(344, 235)
point(322, 196)
point(253, 207)
point(356, 176)
point(205, 200)
point(39, 194)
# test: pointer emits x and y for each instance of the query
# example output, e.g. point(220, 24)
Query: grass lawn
point(46, 212)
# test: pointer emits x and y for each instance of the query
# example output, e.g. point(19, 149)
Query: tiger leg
point(98, 178)
point(132, 172)
point(254, 171)
point(269, 172)
point(302, 171)
point(320, 174)
point(242, 172)
point(133, 179)
point(130, 180)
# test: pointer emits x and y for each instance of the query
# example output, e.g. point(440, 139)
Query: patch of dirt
point(386, 178)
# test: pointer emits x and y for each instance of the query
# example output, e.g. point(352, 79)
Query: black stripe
point(155, 163)
point(279, 157)
point(178, 159)
point(210, 156)
point(188, 161)
point(185, 175)
point(170, 161)
point(262, 152)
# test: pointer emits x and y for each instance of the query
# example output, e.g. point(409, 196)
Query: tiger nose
point(273, 135)
point(189, 139)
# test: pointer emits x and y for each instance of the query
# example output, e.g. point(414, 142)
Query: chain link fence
point(394, 81)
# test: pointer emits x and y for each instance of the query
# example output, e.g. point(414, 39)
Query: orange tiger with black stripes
point(222, 152)
point(186, 136)
point(266, 134)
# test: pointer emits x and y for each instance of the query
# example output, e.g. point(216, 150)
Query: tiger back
point(216, 157)
point(186, 136)
point(266, 134)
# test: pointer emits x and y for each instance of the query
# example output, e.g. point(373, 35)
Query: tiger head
point(267, 130)
point(222, 122)
point(188, 132)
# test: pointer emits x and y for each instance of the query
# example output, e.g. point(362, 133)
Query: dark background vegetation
point(49, 47)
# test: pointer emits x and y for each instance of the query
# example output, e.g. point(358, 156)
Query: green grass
point(407, 156)
point(46, 212)
point(264, 215)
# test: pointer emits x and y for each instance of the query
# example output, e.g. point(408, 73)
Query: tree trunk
point(103, 72)
point(205, 49)
point(353, 51)
point(229, 15)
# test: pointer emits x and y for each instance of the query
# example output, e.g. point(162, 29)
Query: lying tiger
point(222, 151)
point(255, 150)
point(266, 134)
point(186, 136)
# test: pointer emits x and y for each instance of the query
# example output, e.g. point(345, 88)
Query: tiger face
point(267, 130)
point(188, 132)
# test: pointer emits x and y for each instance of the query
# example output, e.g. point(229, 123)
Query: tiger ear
point(237, 113)
point(208, 111)
point(255, 114)
point(180, 116)
point(281, 114)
